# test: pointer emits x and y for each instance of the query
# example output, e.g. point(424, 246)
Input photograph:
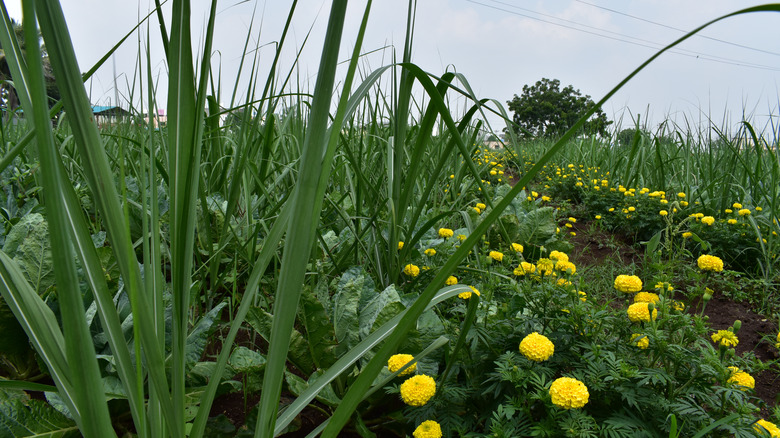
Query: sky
point(731, 69)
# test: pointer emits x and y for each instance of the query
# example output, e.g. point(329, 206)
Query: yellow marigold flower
point(445, 233)
point(736, 205)
point(466, 295)
point(640, 312)
point(612, 209)
point(726, 338)
point(681, 195)
point(427, 429)
point(687, 234)
point(778, 341)
point(583, 296)
point(400, 245)
point(536, 347)
point(411, 270)
point(684, 203)
point(767, 428)
point(640, 341)
point(569, 393)
point(461, 237)
point(559, 256)
point(417, 390)
point(759, 209)
point(545, 266)
point(397, 361)
point(451, 280)
point(573, 220)
point(732, 221)
point(646, 297)
point(631, 208)
point(524, 268)
point(481, 206)
point(430, 252)
point(661, 285)
point(628, 283)
point(728, 210)
point(678, 305)
point(710, 263)
point(663, 213)
point(477, 210)
point(744, 212)
point(742, 379)
point(516, 247)
point(497, 256)
point(563, 282)
point(545, 198)
point(598, 217)
point(493, 173)
point(708, 220)
point(566, 266)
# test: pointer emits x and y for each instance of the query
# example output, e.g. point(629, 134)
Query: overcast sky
point(499, 45)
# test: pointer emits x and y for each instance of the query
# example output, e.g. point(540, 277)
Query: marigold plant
point(412, 270)
point(397, 361)
point(640, 340)
point(726, 338)
point(569, 393)
point(536, 347)
point(710, 263)
point(427, 429)
point(640, 312)
point(417, 390)
point(628, 283)
point(741, 379)
point(445, 233)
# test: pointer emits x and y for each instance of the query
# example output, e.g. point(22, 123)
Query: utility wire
point(678, 29)
point(622, 38)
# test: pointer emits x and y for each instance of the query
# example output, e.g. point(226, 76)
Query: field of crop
point(355, 262)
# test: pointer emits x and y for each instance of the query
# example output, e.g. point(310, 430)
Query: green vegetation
point(290, 254)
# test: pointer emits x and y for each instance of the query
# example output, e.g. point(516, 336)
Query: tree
point(546, 110)
point(8, 97)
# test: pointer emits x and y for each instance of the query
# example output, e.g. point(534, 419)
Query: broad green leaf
point(21, 416)
point(298, 353)
point(244, 360)
point(355, 290)
point(319, 332)
point(28, 244)
point(198, 337)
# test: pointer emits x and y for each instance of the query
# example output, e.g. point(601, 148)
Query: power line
point(623, 38)
point(678, 29)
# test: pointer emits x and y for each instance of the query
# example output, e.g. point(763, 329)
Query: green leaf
point(21, 416)
point(198, 337)
point(298, 354)
point(318, 329)
point(28, 244)
point(244, 360)
point(355, 291)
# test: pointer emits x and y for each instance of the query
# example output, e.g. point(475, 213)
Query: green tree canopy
point(546, 110)
point(8, 97)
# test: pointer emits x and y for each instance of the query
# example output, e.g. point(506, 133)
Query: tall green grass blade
point(88, 392)
point(98, 173)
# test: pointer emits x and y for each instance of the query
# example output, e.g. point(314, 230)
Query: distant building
point(157, 120)
point(109, 115)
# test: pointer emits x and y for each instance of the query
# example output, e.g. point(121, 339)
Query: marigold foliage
point(412, 270)
point(725, 338)
point(742, 379)
point(445, 233)
point(417, 390)
point(397, 361)
point(767, 428)
point(427, 429)
point(640, 312)
point(536, 347)
point(710, 263)
point(628, 283)
point(646, 297)
point(569, 393)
